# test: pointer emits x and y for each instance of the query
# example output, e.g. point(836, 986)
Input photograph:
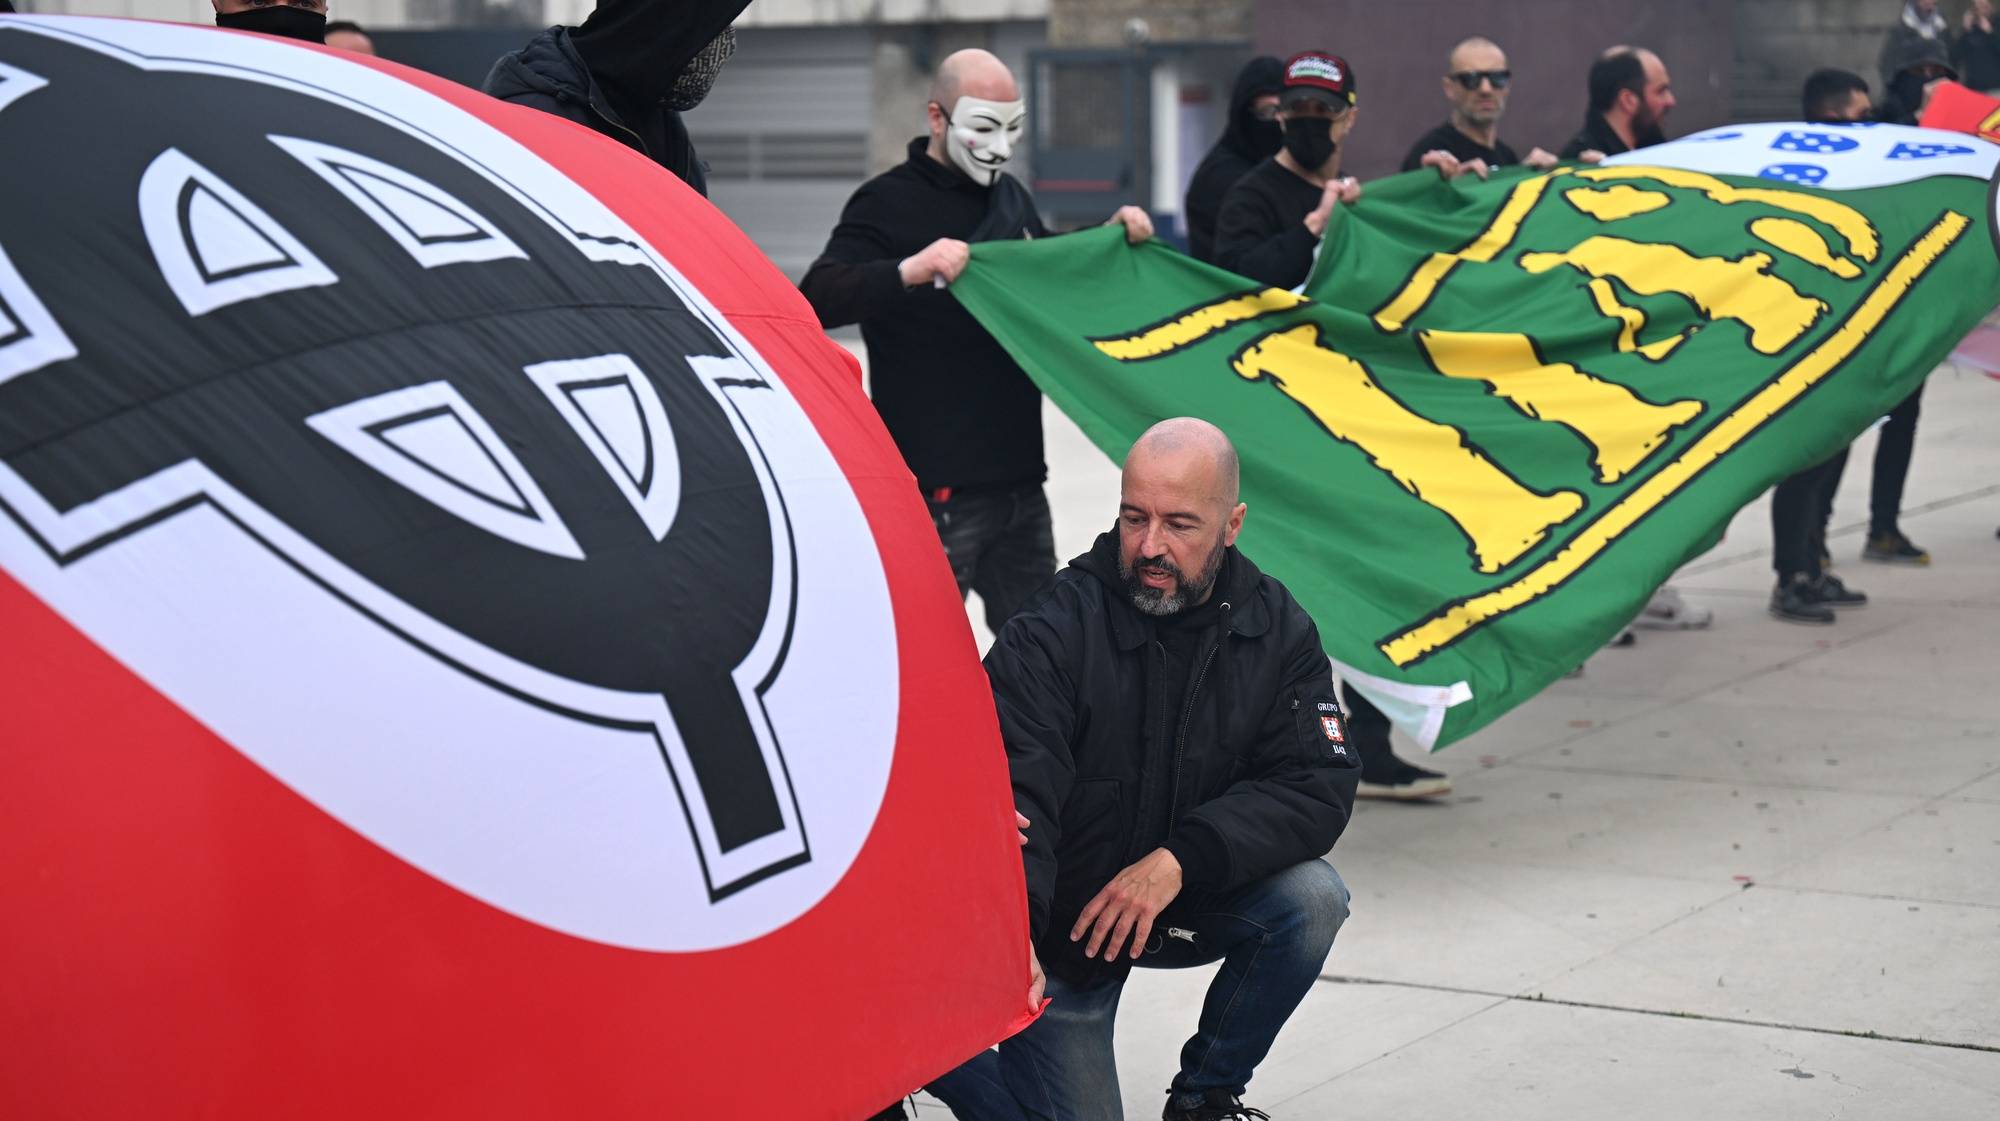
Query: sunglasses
point(1470, 79)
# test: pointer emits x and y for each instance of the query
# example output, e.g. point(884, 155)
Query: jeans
point(1000, 544)
point(1272, 937)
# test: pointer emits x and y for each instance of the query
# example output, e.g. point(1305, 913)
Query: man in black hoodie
point(1252, 136)
point(966, 418)
point(1177, 750)
point(629, 72)
point(1631, 94)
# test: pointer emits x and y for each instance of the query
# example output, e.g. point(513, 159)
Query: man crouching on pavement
point(1176, 745)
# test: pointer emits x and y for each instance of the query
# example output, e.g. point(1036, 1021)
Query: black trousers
point(1892, 465)
point(1801, 507)
point(1893, 446)
point(1367, 731)
point(1000, 544)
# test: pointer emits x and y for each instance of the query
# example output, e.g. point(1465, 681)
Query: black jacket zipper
point(1187, 717)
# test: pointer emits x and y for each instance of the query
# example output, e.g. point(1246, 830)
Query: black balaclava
point(1254, 139)
point(281, 20)
point(1310, 141)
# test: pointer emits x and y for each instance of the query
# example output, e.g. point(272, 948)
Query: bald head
point(973, 73)
point(1476, 53)
point(1193, 453)
point(1177, 514)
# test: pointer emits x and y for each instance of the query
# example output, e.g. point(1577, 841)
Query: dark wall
point(1398, 52)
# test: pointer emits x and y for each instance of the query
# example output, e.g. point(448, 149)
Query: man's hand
point(1590, 155)
point(1138, 224)
point(1447, 163)
point(1021, 825)
point(1336, 191)
point(945, 257)
point(1127, 906)
point(1541, 159)
point(1037, 980)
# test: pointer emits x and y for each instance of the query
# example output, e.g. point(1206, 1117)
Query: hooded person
point(1920, 34)
point(1909, 87)
point(1252, 136)
point(629, 71)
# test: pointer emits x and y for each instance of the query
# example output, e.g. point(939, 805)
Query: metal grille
point(1084, 107)
point(780, 155)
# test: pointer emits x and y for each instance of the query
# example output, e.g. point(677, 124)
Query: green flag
point(1501, 413)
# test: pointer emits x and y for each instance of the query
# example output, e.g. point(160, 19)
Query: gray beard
point(1161, 602)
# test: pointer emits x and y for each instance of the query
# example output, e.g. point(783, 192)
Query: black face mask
point(280, 20)
point(1264, 137)
point(1310, 141)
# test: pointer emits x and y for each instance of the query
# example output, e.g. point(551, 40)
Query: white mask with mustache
point(980, 135)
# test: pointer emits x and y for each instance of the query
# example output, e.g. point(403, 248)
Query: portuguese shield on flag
point(1500, 413)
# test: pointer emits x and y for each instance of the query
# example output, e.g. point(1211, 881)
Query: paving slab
point(1947, 852)
point(1818, 748)
point(1642, 824)
point(1443, 921)
point(1814, 959)
point(1535, 1062)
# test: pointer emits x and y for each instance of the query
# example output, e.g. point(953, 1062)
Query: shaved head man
point(963, 413)
point(1165, 697)
point(1177, 515)
point(1476, 83)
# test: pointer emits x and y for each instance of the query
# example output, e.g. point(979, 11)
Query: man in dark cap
point(1253, 136)
point(629, 72)
point(1920, 34)
point(1272, 219)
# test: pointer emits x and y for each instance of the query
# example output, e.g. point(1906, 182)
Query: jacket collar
point(1242, 589)
point(935, 173)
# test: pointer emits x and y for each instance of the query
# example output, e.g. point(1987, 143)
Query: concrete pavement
point(1752, 872)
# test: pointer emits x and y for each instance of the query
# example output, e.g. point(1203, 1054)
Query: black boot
point(1794, 601)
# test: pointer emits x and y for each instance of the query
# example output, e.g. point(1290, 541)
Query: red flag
point(471, 649)
point(1959, 109)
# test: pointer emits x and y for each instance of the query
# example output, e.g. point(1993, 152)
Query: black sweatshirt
point(1447, 137)
point(1262, 231)
point(961, 411)
point(1243, 144)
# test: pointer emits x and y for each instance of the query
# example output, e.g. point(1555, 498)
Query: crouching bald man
point(1181, 759)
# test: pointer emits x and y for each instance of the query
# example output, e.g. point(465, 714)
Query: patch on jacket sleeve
point(1331, 723)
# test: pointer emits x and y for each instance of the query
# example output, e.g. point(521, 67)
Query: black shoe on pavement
point(1893, 548)
point(1830, 591)
point(1396, 781)
point(1212, 1105)
point(1794, 601)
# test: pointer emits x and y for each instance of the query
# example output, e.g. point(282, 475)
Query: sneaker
point(1667, 611)
point(1626, 637)
point(1893, 548)
point(1211, 1105)
point(1830, 591)
point(1398, 781)
point(1794, 602)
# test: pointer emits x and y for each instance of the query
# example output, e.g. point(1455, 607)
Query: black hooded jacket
point(613, 73)
point(1245, 774)
point(1244, 144)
